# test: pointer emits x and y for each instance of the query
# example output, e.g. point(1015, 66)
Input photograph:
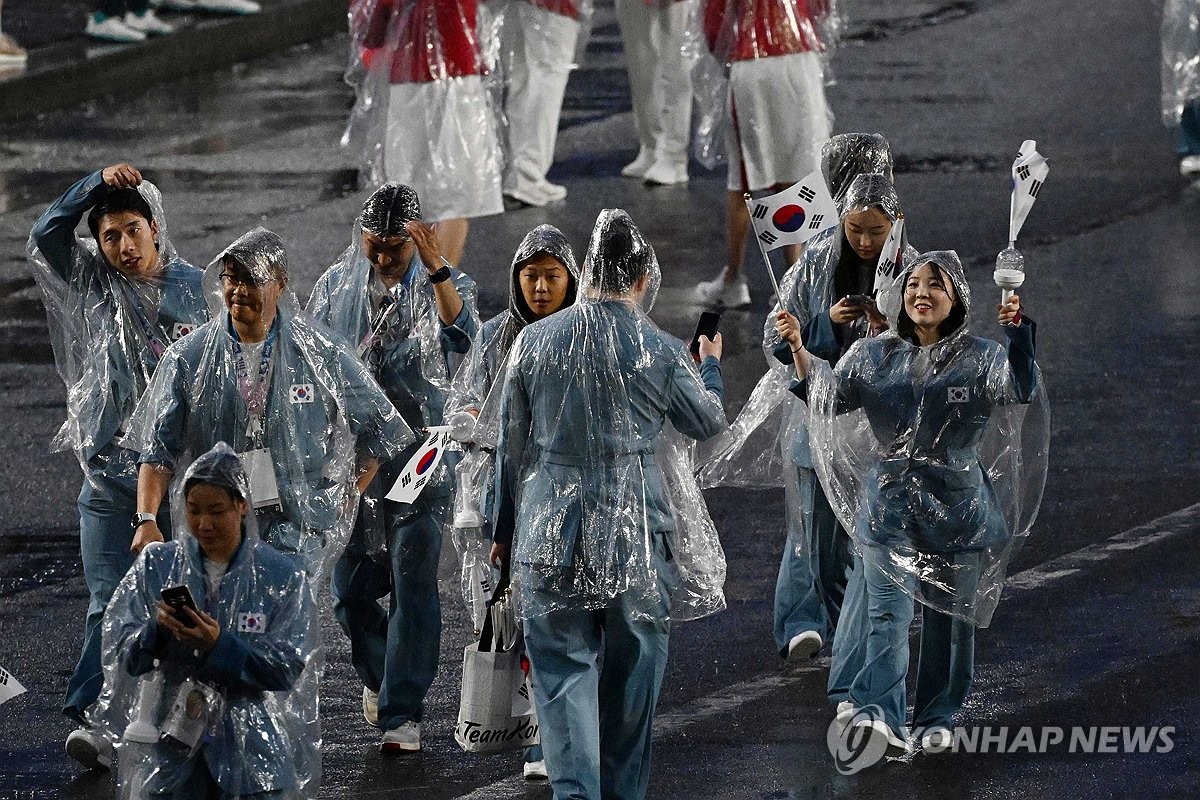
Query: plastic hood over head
point(847, 155)
point(389, 209)
point(872, 189)
point(551, 241)
point(618, 256)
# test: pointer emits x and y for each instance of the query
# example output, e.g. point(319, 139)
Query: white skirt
point(441, 140)
point(780, 120)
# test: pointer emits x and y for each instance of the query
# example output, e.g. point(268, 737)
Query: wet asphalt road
point(1099, 637)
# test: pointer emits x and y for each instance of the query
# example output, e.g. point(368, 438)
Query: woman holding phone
point(204, 642)
point(931, 445)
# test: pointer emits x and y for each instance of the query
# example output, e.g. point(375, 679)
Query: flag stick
point(766, 259)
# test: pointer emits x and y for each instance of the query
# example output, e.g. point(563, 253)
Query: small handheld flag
point(1028, 174)
point(794, 215)
point(420, 468)
point(888, 271)
point(10, 687)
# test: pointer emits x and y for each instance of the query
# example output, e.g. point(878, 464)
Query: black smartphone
point(859, 299)
point(706, 327)
point(179, 598)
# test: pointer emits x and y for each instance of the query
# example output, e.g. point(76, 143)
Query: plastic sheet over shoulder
point(1180, 58)
point(604, 507)
point(242, 714)
point(107, 329)
point(722, 32)
point(423, 73)
point(934, 457)
point(300, 403)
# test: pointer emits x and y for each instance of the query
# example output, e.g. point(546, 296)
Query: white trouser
point(539, 48)
point(660, 78)
point(441, 140)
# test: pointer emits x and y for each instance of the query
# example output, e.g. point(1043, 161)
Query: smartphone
point(179, 598)
point(706, 327)
point(859, 299)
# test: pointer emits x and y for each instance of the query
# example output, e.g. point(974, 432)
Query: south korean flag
point(301, 393)
point(420, 468)
point(794, 215)
point(1029, 172)
point(888, 293)
point(10, 687)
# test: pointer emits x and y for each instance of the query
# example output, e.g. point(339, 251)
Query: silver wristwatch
point(141, 518)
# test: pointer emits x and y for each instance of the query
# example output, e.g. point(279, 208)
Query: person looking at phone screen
point(234, 671)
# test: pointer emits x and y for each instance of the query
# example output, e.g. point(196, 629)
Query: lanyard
point(255, 396)
point(387, 308)
point(157, 346)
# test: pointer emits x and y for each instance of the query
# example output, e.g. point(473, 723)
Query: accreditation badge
point(260, 470)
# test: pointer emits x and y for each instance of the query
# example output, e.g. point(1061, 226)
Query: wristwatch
point(442, 274)
point(142, 517)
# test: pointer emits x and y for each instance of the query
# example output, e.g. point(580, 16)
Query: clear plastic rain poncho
point(727, 31)
point(235, 712)
point(771, 428)
point(107, 331)
point(1180, 58)
point(423, 114)
point(301, 405)
point(397, 331)
point(847, 155)
point(596, 403)
point(934, 458)
point(472, 393)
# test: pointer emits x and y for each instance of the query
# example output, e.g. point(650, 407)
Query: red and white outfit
point(440, 133)
point(538, 39)
point(653, 33)
point(780, 117)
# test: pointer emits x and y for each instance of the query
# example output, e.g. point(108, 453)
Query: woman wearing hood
point(545, 280)
point(903, 433)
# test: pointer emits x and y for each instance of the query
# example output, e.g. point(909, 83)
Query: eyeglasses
point(231, 279)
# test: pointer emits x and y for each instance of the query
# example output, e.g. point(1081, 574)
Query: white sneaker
point(664, 174)
point(637, 168)
point(148, 23)
point(1189, 166)
point(896, 746)
point(536, 771)
point(538, 194)
point(719, 293)
point(937, 739)
point(111, 29)
point(227, 6)
point(405, 739)
point(370, 706)
point(845, 713)
point(11, 53)
point(89, 749)
point(804, 646)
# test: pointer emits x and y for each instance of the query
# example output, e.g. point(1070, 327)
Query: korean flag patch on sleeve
point(251, 623)
point(182, 329)
point(958, 394)
point(302, 393)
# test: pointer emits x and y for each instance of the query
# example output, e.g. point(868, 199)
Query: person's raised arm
point(449, 303)
point(54, 231)
point(789, 330)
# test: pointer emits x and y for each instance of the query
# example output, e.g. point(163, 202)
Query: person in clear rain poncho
point(545, 279)
point(114, 302)
point(829, 290)
point(612, 540)
point(411, 317)
point(299, 407)
point(931, 445)
point(203, 700)
point(423, 113)
point(765, 80)
point(1181, 79)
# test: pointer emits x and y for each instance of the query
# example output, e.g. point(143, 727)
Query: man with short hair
point(114, 304)
point(411, 316)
